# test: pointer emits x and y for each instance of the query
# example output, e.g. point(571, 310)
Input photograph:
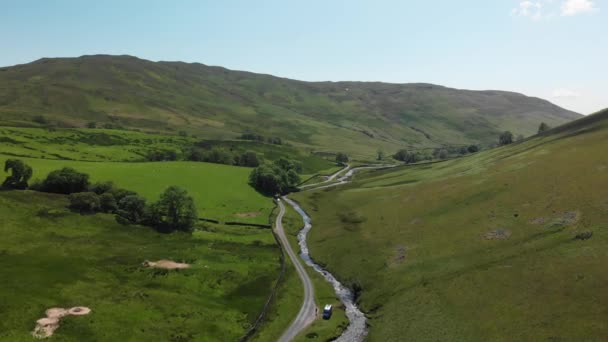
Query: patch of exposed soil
point(248, 215)
point(416, 221)
point(45, 327)
point(498, 234)
point(166, 264)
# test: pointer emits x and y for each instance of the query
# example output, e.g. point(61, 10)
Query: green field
point(121, 145)
point(479, 248)
point(219, 191)
point(51, 257)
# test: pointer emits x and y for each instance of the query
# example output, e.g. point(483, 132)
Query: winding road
point(357, 329)
point(308, 311)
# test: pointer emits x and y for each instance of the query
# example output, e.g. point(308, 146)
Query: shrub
point(174, 211)
point(543, 127)
point(341, 158)
point(131, 210)
point(505, 138)
point(20, 174)
point(473, 148)
point(66, 181)
point(85, 202)
point(249, 159)
point(584, 235)
point(101, 187)
point(107, 203)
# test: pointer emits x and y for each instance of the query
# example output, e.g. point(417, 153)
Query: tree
point(407, 156)
point(84, 202)
point(131, 210)
point(278, 178)
point(20, 174)
point(520, 138)
point(107, 203)
point(505, 138)
point(341, 158)
point(473, 148)
point(66, 181)
point(101, 187)
point(379, 155)
point(174, 211)
point(249, 159)
point(543, 127)
point(92, 124)
point(443, 154)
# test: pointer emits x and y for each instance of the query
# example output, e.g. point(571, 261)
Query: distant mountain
point(218, 103)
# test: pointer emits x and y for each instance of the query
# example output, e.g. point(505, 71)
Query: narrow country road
point(329, 179)
point(308, 311)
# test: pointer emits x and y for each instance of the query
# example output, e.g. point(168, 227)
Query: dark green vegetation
point(354, 117)
point(20, 174)
point(51, 257)
point(507, 244)
point(279, 178)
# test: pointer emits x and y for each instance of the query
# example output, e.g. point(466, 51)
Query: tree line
point(173, 211)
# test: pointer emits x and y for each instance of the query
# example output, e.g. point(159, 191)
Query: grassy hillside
point(51, 257)
point(479, 248)
point(217, 103)
point(120, 145)
point(219, 191)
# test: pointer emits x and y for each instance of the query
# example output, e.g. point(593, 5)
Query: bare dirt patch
point(248, 215)
point(166, 264)
point(498, 234)
point(45, 327)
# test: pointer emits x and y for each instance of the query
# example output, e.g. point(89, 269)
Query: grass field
point(479, 248)
point(51, 257)
point(219, 191)
point(121, 145)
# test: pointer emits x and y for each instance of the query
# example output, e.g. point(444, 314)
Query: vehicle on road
point(327, 311)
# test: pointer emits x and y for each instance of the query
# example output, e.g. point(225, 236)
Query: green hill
point(217, 103)
point(507, 244)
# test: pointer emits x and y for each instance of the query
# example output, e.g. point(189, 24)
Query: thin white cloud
point(564, 93)
point(574, 7)
point(528, 9)
point(538, 10)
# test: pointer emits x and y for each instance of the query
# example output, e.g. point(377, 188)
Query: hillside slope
point(220, 103)
point(482, 248)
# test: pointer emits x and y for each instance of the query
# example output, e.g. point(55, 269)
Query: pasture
point(51, 257)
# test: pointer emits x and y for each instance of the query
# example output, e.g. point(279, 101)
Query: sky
point(553, 49)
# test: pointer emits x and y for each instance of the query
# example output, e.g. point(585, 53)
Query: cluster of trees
point(341, 158)
point(410, 157)
point(221, 156)
point(174, 211)
point(279, 177)
point(261, 138)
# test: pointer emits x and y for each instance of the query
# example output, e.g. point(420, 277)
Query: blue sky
point(554, 49)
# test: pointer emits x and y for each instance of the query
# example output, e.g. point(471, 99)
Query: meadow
point(479, 248)
point(220, 192)
point(51, 257)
